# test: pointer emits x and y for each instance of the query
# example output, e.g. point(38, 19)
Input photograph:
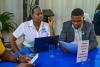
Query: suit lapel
point(70, 34)
point(84, 31)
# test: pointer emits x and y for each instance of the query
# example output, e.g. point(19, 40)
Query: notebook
point(42, 44)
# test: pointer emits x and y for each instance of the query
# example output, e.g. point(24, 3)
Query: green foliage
point(8, 25)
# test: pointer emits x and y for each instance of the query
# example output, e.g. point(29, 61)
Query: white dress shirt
point(29, 32)
point(78, 34)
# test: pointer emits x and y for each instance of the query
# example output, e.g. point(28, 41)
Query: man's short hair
point(77, 12)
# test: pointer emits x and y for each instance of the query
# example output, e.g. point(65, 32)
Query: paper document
point(72, 46)
point(34, 58)
point(82, 53)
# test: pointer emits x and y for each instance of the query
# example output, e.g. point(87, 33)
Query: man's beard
point(76, 27)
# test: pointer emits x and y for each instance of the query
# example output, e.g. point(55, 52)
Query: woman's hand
point(22, 58)
point(51, 23)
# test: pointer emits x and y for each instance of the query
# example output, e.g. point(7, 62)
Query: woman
point(30, 30)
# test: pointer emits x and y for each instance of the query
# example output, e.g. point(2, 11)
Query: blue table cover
point(61, 59)
point(56, 58)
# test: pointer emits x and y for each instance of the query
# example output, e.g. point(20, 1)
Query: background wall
point(2, 7)
point(13, 6)
point(61, 8)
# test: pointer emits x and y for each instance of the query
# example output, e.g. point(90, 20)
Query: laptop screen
point(42, 44)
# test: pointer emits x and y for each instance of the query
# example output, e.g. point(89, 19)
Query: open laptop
point(42, 44)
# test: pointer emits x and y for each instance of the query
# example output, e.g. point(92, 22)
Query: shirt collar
point(78, 28)
point(31, 23)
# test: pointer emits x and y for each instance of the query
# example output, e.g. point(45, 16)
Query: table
point(61, 59)
point(67, 60)
point(7, 64)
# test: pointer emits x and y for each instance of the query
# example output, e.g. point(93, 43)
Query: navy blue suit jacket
point(67, 33)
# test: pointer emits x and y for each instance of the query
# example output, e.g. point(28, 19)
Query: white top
point(29, 32)
point(78, 34)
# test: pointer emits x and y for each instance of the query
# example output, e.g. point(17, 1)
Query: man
point(78, 29)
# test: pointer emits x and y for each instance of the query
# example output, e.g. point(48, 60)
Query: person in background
point(52, 24)
point(96, 22)
point(77, 29)
point(30, 30)
point(87, 17)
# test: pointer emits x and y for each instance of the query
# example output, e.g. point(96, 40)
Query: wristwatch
point(17, 59)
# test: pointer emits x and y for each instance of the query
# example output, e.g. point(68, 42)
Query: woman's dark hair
point(77, 12)
point(98, 7)
point(32, 12)
point(34, 7)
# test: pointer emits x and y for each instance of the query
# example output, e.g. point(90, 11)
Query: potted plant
point(8, 25)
